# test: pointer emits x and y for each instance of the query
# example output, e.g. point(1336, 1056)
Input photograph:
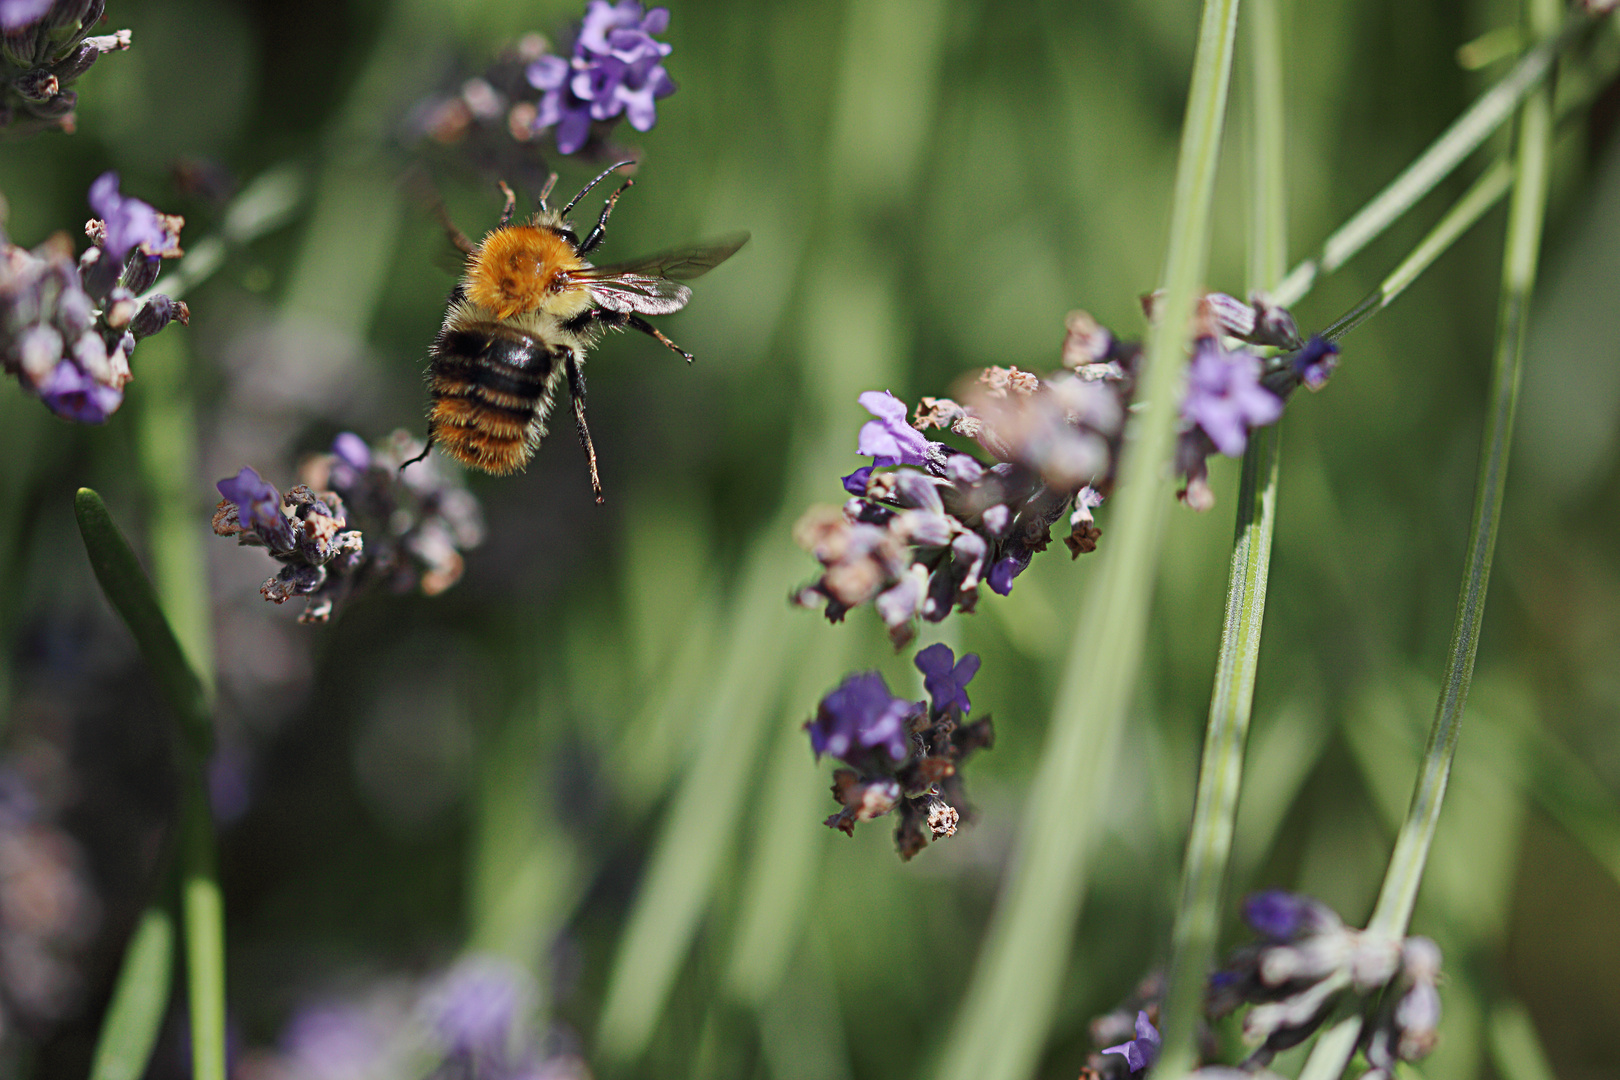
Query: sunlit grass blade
point(1515, 1047)
point(1220, 775)
point(1526, 216)
point(202, 908)
point(140, 999)
point(1454, 145)
point(1003, 1019)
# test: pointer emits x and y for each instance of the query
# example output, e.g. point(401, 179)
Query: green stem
point(1220, 776)
point(202, 912)
point(1461, 139)
point(140, 998)
point(1526, 214)
point(1003, 1020)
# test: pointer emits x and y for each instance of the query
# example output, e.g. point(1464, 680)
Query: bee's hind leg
point(576, 390)
point(511, 204)
point(594, 237)
point(648, 328)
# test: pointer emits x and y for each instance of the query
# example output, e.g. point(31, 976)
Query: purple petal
point(855, 483)
point(352, 450)
point(1001, 575)
point(15, 14)
point(548, 73)
point(130, 222)
point(73, 395)
point(889, 439)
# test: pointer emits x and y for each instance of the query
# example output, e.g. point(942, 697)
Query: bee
point(525, 313)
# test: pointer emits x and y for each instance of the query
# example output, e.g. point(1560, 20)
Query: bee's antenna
point(545, 192)
point(511, 204)
point(418, 457)
point(587, 188)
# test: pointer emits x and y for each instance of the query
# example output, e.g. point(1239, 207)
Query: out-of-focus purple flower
point(336, 1040)
point(351, 457)
point(890, 439)
point(258, 506)
point(1002, 573)
point(1280, 915)
point(616, 70)
point(1315, 362)
point(479, 1007)
point(1225, 398)
point(230, 790)
point(855, 482)
point(945, 677)
point(861, 714)
point(70, 393)
point(130, 222)
point(18, 13)
point(1141, 1051)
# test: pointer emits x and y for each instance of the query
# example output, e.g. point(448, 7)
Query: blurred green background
point(587, 757)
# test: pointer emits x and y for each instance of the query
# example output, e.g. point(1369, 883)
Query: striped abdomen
point(492, 386)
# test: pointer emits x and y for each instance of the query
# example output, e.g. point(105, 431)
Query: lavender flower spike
point(1141, 1051)
point(1225, 398)
point(946, 677)
point(258, 506)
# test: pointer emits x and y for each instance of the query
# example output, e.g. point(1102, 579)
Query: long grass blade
point(140, 998)
point(1526, 215)
point(1002, 1022)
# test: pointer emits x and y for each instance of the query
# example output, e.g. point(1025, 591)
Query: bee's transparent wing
point(650, 286)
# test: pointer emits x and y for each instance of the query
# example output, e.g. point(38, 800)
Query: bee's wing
point(677, 264)
point(639, 293)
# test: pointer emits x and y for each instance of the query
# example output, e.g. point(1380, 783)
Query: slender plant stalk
point(1220, 775)
point(1461, 139)
point(140, 998)
point(202, 912)
point(1002, 1022)
point(1526, 214)
point(1483, 194)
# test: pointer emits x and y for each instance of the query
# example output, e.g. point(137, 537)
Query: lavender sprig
point(44, 48)
point(412, 526)
point(902, 754)
point(616, 70)
point(68, 330)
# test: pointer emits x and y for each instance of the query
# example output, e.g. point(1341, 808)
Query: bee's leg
point(648, 328)
point(425, 448)
point(576, 390)
point(457, 237)
point(511, 204)
point(422, 189)
point(545, 192)
point(594, 237)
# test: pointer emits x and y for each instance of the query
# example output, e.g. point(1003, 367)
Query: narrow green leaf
point(1516, 1049)
point(126, 587)
point(1451, 149)
point(1002, 1022)
point(202, 912)
point(140, 999)
point(1526, 216)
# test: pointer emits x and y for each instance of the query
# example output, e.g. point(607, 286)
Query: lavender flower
point(860, 715)
point(946, 678)
point(616, 70)
point(904, 754)
point(1141, 1052)
point(413, 526)
point(1308, 963)
point(1314, 363)
point(479, 1010)
point(43, 51)
point(67, 331)
point(1225, 398)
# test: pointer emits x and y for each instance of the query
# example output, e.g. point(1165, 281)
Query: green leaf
point(126, 587)
point(139, 1001)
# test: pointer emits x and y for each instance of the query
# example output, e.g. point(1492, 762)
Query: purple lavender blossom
point(18, 13)
point(258, 506)
point(890, 439)
point(479, 1006)
point(130, 222)
point(859, 714)
point(1279, 915)
point(73, 395)
point(1225, 398)
point(1141, 1051)
point(1002, 573)
point(617, 70)
point(945, 677)
point(351, 457)
point(1315, 362)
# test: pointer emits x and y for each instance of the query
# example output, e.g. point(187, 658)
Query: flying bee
point(522, 318)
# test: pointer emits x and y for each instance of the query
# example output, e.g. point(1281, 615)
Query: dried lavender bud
point(1308, 963)
point(43, 50)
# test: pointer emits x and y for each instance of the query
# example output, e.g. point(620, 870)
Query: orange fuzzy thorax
point(516, 268)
